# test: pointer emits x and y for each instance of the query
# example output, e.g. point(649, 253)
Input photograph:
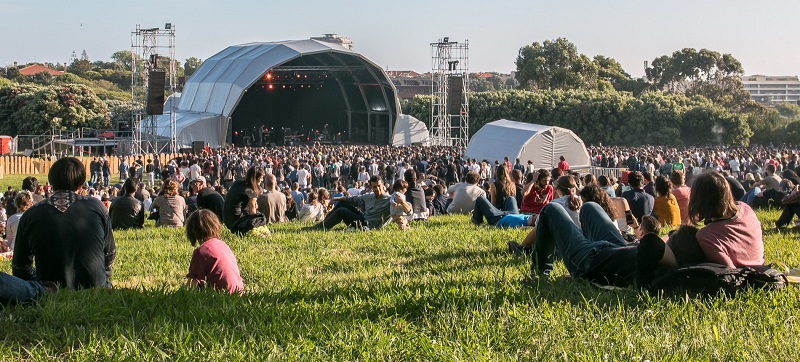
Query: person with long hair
point(537, 193)
point(665, 206)
point(566, 190)
point(502, 188)
point(171, 207)
point(732, 234)
point(595, 193)
point(240, 213)
point(681, 193)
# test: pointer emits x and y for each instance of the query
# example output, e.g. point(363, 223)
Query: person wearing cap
point(206, 197)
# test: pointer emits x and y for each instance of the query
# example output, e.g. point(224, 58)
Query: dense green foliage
point(608, 117)
point(28, 109)
point(445, 290)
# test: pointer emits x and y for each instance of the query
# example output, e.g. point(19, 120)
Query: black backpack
point(706, 279)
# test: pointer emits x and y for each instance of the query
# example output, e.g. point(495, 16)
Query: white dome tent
point(409, 131)
point(541, 144)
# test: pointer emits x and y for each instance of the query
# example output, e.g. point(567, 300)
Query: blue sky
point(396, 35)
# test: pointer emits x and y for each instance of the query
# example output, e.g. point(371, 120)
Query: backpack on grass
point(705, 279)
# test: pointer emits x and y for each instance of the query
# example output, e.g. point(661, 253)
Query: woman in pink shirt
point(732, 232)
point(213, 263)
point(681, 193)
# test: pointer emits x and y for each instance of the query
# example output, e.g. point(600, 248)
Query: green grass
point(15, 181)
point(446, 290)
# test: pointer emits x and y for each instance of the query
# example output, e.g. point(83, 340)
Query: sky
point(396, 35)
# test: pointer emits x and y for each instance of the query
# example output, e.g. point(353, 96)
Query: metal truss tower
point(450, 90)
point(147, 46)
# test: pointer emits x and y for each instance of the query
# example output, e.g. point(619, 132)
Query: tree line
point(689, 97)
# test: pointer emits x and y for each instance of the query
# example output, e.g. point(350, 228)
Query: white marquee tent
point(409, 131)
point(541, 144)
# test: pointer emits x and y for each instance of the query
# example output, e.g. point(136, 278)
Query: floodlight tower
point(147, 46)
point(450, 90)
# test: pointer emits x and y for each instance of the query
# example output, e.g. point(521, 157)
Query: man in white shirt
point(194, 171)
point(303, 177)
point(464, 194)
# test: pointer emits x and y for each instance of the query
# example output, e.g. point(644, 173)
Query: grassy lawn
point(446, 290)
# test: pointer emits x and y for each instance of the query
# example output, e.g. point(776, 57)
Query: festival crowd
point(603, 221)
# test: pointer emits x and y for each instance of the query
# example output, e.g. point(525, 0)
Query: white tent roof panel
point(541, 144)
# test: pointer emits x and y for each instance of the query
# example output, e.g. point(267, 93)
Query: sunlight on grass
point(445, 290)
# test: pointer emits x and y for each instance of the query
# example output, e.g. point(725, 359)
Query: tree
point(36, 110)
point(43, 78)
point(191, 66)
point(555, 64)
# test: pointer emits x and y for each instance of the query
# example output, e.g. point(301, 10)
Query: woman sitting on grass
point(665, 205)
point(313, 210)
point(171, 207)
point(213, 263)
point(732, 232)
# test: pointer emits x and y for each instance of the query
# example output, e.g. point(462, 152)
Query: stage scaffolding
point(147, 46)
point(450, 90)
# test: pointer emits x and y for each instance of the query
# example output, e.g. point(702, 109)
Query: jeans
point(16, 290)
point(346, 213)
point(510, 205)
point(556, 232)
point(484, 208)
point(750, 196)
point(789, 211)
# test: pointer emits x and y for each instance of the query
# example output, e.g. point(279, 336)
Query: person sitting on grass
point(375, 208)
point(665, 205)
point(127, 212)
point(598, 253)
point(68, 236)
point(496, 217)
point(313, 210)
point(732, 234)
point(400, 208)
point(23, 201)
point(213, 264)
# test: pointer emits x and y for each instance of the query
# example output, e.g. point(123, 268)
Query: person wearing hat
point(206, 197)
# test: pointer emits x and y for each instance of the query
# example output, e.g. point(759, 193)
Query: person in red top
point(537, 193)
point(213, 263)
point(563, 165)
point(732, 232)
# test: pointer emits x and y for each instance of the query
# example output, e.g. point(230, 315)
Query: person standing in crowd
point(563, 165)
point(67, 236)
point(682, 194)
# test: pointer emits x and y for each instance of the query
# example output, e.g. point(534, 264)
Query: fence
point(22, 165)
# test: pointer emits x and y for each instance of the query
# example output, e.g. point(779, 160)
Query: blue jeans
point(16, 290)
point(484, 208)
point(555, 232)
point(750, 196)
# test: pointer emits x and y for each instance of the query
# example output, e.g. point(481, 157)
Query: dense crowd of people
point(604, 227)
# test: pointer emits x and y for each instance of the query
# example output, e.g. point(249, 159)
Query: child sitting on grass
point(399, 207)
point(213, 263)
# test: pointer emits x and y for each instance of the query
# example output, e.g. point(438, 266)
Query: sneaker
point(517, 249)
point(50, 287)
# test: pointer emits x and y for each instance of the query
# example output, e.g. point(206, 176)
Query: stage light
point(269, 76)
point(284, 87)
point(298, 76)
point(270, 86)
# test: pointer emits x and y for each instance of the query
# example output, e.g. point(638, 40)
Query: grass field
point(446, 290)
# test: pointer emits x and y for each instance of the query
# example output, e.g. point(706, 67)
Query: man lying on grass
point(496, 217)
point(731, 237)
point(375, 205)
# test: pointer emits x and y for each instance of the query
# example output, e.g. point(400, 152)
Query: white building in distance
point(769, 89)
